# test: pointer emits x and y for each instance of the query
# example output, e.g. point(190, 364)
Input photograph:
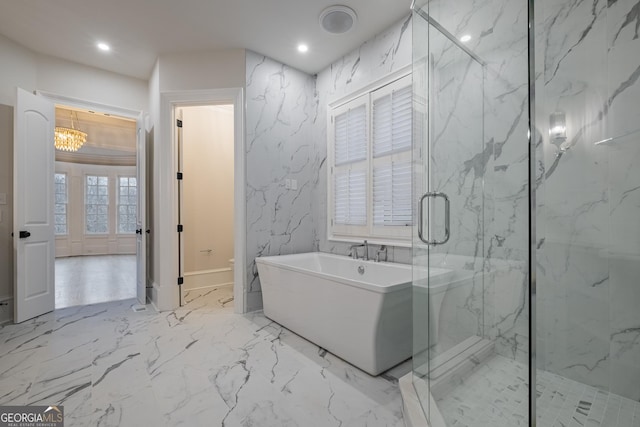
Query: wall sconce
point(557, 127)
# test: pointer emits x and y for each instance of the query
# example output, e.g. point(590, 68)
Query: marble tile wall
point(282, 108)
point(588, 232)
point(385, 53)
point(286, 139)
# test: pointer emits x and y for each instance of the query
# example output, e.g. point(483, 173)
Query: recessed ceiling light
point(338, 19)
point(465, 38)
point(303, 48)
point(104, 47)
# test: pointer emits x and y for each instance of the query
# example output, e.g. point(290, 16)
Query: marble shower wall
point(588, 66)
point(281, 112)
point(387, 52)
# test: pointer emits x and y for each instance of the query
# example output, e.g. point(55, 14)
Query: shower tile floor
point(200, 365)
point(496, 395)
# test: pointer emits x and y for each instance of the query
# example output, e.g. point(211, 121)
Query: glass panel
point(588, 206)
point(60, 209)
point(97, 204)
point(471, 307)
point(127, 205)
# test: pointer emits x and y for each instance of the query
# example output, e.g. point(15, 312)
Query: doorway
point(96, 203)
point(206, 197)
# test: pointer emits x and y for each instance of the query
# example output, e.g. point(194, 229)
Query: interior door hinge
point(179, 176)
point(180, 280)
point(180, 228)
point(179, 123)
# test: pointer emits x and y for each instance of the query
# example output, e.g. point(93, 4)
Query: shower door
point(450, 156)
point(471, 222)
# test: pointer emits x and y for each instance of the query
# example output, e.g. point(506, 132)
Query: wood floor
point(94, 279)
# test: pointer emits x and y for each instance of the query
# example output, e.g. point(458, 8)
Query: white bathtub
point(364, 319)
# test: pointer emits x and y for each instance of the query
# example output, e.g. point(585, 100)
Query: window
point(96, 200)
point(370, 165)
point(127, 204)
point(61, 200)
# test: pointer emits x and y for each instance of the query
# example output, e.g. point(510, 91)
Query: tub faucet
point(353, 251)
point(382, 250)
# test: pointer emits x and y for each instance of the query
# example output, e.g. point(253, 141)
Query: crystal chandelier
point(69, 139)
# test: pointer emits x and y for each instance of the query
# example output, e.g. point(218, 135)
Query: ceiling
point(140, 30)
point(110, 140)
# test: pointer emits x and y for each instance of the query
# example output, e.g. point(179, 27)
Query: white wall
point(90, 84)
point(77, 242)
point(6, 211)
point(208, 195)
point(32, 71)
point(19, 68)
point(202, 70)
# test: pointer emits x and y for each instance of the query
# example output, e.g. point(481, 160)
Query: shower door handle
point(447, 210)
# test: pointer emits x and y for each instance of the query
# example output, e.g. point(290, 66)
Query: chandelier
point(69, 139)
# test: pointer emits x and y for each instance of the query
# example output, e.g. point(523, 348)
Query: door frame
point(58, 99)
point(167, 191)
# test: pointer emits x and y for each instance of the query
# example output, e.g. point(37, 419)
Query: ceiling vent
point(338, 19)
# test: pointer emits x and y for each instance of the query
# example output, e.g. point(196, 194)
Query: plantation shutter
point(392, 194)
point(351, 136)
point(392, 120)
point(350, 155)
point(350, 198)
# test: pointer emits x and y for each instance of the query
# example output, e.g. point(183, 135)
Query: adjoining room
point(206, 198)
point(96, 198)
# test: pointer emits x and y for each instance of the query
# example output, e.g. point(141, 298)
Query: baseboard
point(216, 286)
point(152, 295)
point(207, 278)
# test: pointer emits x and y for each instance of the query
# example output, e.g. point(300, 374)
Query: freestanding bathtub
point(358, 310)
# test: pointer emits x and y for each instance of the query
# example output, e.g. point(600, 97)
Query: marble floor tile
point(200, 365)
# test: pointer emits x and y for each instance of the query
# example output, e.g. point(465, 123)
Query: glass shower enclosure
point(526, 168)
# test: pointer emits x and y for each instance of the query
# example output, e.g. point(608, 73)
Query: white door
point(141, 226)
point(34, 240)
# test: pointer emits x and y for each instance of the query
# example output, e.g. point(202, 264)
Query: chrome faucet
point(382, 250)
point(353, 251)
